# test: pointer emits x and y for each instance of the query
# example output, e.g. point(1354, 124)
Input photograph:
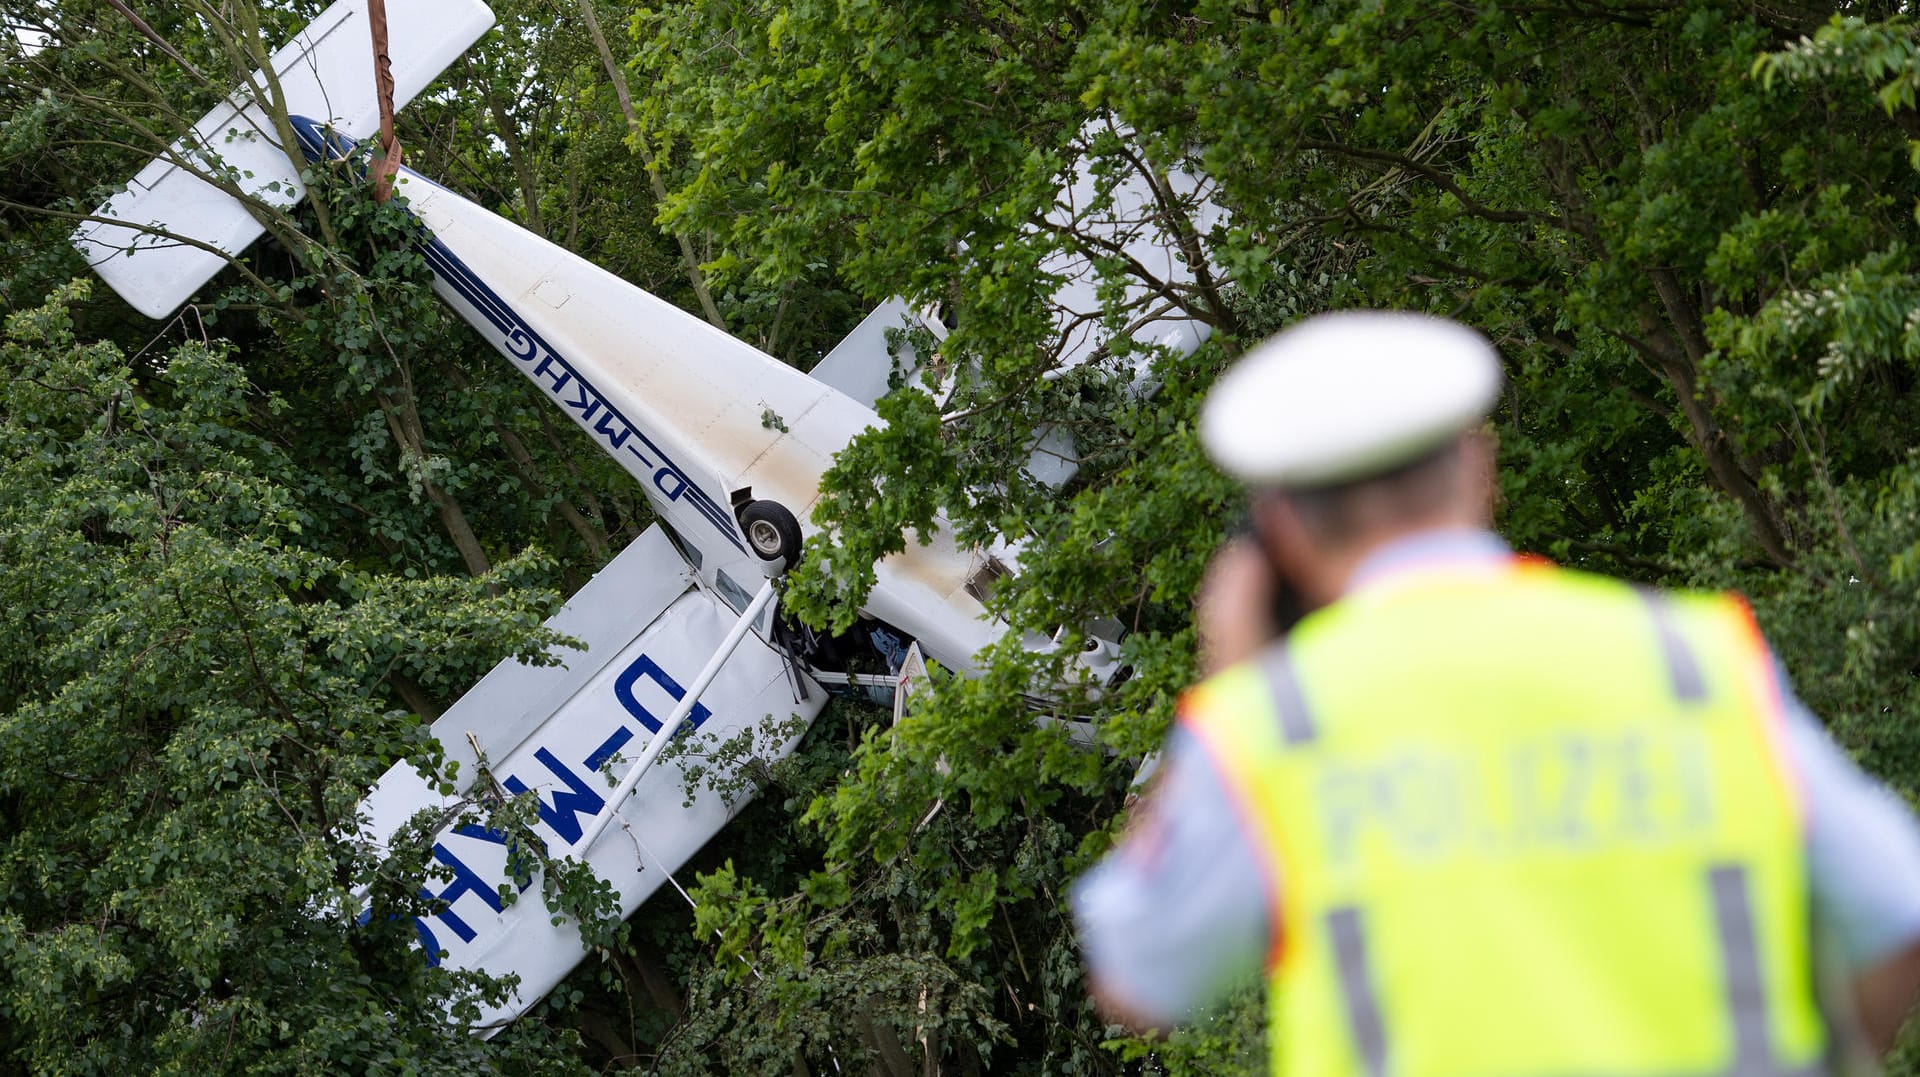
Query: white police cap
point(1343, 396)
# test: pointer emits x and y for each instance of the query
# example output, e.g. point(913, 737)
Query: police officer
point(1476, 815)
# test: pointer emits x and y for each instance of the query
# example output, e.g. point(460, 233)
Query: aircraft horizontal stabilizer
point(325, 72)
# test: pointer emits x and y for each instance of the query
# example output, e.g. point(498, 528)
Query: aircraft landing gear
point(772, 533)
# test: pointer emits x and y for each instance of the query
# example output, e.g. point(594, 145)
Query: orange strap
point(389, 163)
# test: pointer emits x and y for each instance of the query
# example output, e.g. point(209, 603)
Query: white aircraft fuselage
point(717, 433)
point(704, 421)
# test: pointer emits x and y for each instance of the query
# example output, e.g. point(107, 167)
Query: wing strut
point(672, 724)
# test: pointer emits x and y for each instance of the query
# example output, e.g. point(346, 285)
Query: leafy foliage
point(1685, 226)
point(192, 710)
point(231, 553)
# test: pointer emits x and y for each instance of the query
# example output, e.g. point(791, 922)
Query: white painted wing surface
point(326, 71)
point(597, 713)
point(1128, 219)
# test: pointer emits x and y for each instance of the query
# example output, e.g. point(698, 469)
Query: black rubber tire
point(772, 532)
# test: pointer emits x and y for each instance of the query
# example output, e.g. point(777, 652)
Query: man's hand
point(1885, 994)
point(1114, 1009)
point(1233, 609)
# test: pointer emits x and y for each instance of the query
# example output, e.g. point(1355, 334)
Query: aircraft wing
point(566, 734)
point(326, 71)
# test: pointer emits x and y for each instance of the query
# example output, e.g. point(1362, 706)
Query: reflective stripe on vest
point(1527, 827)
point(1744, 986)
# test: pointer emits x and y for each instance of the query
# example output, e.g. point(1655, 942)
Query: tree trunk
point(1678, 367)
point(523, 462)
point(619, 77)
point(893, 1058)
point(522, 167)
point(404, 423)
point(641, 964)
point(599, 511)
point(600, 1029)
point(414, 696)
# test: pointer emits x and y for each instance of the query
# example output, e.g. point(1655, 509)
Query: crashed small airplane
point(681, 629)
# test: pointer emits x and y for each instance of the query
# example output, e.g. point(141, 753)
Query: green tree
point(227, 561)
point(193, 705)
point(1693, 256)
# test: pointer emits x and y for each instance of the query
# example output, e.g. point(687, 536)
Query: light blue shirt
point(1180, 910)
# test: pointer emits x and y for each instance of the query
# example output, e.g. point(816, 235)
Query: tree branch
point(1441, 180)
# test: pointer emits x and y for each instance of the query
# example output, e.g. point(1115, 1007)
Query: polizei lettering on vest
point(1576, 791)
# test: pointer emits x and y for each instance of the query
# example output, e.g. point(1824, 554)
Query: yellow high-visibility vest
point(1523, 822)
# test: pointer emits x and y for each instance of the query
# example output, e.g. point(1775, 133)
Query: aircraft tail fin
point(326, 72)
point(864, 363)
